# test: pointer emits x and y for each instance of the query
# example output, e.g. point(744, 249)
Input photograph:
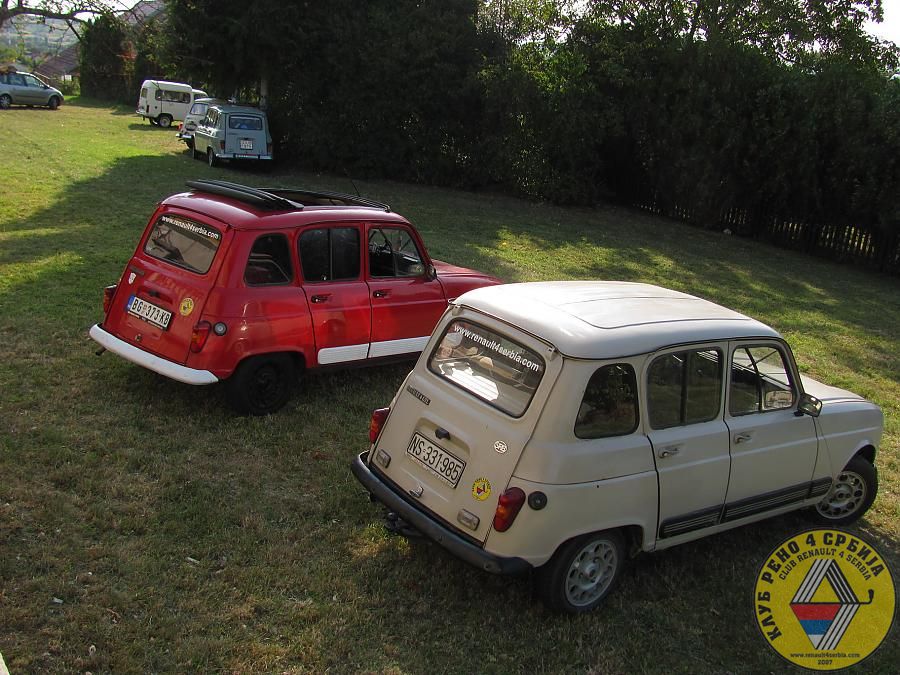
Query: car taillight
point(222, 145)
point(108, 294)
point(200, 335)
point(508, 507)
point(377, 422)
point(268, 148)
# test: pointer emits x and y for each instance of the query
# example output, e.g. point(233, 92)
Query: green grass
point(180, 538)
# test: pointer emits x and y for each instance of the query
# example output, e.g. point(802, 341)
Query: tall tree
point(65, 10)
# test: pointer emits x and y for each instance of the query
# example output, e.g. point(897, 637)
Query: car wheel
point(5, 101)
point(261, 385)
point(851, 494)
point(165, 121)
point(582, 572)
point(211, 157)
point(53, 103)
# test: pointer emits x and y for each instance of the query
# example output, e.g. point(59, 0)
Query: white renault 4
point(565, 426)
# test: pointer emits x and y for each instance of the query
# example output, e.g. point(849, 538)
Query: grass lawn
point(144, 528)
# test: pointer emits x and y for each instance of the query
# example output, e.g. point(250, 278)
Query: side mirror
point(431, 273)
point(809, 405)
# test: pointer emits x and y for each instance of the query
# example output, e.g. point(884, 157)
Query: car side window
point(609, 406)
point(684, 388)
point(17, 80)
point(269, 263)
point(760, 381)
point(31, 81)
point(329, 254)
point(393, 253)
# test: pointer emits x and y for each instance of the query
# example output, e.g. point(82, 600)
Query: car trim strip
point(395, 347)
point(330, 355)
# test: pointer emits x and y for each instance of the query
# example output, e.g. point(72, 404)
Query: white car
point(565, 426)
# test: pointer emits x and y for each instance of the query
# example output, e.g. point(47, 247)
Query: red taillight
point(108, 294)
point(377, 422)
point(222, 145)
point(268, 148)
point(200, 335)
point(508, 507)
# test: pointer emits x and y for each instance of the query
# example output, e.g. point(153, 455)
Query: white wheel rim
point(846, 496)
point(591, 572)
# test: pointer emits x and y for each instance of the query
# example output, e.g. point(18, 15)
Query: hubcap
point(591, 572)
point(846, 496)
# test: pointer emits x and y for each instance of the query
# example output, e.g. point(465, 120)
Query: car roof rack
point(283, 199)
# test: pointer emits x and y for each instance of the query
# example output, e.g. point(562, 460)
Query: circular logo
point(824, 599)
point(501, 447)
point(187, 306)
point(481, 489)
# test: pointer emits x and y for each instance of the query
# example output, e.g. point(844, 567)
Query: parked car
point(562, 427)
point(231, 131)
point(193, 118)
point(27, 89)
point(257, 286)
point(163, 102)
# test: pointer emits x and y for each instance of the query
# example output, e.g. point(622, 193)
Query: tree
point(56, 9)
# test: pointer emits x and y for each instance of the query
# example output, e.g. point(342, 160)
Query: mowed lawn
point(144, 528)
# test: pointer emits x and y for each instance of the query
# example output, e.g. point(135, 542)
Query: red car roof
point(243, 216)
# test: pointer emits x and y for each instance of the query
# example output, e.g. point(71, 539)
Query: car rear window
point(183, 242)
point(490, 366)
point(247, 122)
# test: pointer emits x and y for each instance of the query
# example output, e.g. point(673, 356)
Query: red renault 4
point(256, 286)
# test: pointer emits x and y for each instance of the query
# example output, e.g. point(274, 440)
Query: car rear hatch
point(246, 135)
point(462, 418)
point(164, 287)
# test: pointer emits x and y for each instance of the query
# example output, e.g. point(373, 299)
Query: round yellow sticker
point(824, 599)
point(187, 306)
point(481, 489)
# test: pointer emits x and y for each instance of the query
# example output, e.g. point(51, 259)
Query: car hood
point(446, 270)
point(826, 393)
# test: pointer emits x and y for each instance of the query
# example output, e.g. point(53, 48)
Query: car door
point(19, 89)
point(684, 392)
point(773, 449)
point(338, 296)
point(406, 302)
point(33, 91)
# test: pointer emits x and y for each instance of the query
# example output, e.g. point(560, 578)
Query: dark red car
point(256, 286)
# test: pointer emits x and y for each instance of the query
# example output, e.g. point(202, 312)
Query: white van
point(163, 102)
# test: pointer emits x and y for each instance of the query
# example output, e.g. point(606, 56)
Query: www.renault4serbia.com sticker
point(824, 599)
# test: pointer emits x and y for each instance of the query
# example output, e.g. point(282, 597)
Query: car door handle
point(320, 298)
point(669, 450)
point(742, 438)
point(380, 294)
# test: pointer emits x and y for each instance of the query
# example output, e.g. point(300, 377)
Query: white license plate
point(149, 312)
point(246, 144)
point(447, 467)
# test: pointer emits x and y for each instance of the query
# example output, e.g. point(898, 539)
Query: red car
point(256, 286)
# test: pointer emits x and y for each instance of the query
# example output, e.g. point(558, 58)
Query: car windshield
point(183, 242)
point(248, 122)
point(199, 109)
point(488, 365)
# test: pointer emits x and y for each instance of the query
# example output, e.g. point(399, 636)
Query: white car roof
point(611, 319)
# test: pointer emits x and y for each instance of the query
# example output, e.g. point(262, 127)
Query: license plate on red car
point(147, 311)
point(436, 459)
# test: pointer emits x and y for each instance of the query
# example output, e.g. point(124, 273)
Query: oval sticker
point(481, 489)
point(187, 306)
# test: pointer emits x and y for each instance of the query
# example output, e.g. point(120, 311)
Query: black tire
point(165, 121)
point(261, 385)
point(5, 102)
point(851, 494)
point(53, 103)
point(211, 158)
point(582, 572)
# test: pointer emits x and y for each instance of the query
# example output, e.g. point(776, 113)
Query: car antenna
point(350, 178)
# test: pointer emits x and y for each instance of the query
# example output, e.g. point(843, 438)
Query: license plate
point(149, 312)
point(246, 144)
point(447, 467)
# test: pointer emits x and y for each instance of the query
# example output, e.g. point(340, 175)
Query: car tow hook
point(395, 524)
point(100, 351)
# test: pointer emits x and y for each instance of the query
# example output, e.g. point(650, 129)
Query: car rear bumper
point(425, 524)
point(150, 361)
point(237, 155)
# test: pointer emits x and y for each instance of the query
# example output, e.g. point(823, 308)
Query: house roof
point(66, 62)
